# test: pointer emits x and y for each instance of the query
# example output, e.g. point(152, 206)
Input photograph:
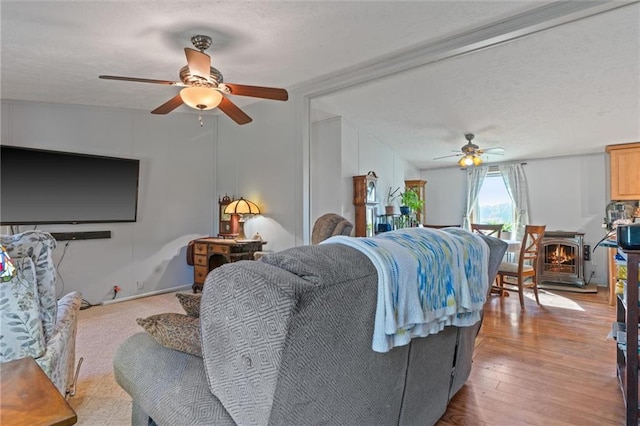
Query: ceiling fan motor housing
point(215, 78)
point(201, 42)
point(470, 148)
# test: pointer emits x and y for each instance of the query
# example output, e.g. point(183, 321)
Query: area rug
point(589, 288)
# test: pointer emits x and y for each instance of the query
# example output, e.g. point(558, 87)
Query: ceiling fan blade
point(494, 150)
point(258, 92)
point(169, 106)
point(139, 80)
point(447, 156)
point(235, 113)
point(199, 62)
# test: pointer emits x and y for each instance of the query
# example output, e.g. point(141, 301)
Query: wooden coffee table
point(30, 398)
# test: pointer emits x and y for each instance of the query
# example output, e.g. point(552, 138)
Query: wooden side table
point(30, 398)
point(209, 253)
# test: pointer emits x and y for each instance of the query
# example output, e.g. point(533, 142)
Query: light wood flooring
point(544, 365)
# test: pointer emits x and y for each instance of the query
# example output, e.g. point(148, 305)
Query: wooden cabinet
point(625, 173)
point(419, 187)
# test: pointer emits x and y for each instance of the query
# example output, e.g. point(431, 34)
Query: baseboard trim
point(151, 293)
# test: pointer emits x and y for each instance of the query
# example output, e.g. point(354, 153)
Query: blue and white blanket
point(427, 279)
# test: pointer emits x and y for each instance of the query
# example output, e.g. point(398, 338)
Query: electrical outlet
point(140, 284)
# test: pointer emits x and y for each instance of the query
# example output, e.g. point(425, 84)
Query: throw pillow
point(21, 333)
point(39, 246)
point(190, 303)
point(175, 331)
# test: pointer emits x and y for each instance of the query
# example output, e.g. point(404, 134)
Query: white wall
point(175, 202)
point(339, 151)
point(566, 193)
point(569, 194)
point(445, 195)
point(327, 182)
point(261, 162)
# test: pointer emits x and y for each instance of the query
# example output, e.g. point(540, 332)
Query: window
point(494, 205)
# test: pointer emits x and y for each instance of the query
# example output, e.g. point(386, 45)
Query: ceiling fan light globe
point(201, 98)
point(477, 161)
point(468, 160)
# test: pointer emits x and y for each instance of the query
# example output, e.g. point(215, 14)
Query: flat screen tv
point(47, 187)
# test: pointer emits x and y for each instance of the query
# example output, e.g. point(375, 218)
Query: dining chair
point(525, 270)
point(493, 230)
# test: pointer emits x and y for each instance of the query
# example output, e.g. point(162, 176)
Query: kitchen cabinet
point(625, 173)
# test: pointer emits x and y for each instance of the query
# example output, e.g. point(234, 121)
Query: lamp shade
point(470, 160)
point(241, 206)
point(201, 98)
point(465, 161)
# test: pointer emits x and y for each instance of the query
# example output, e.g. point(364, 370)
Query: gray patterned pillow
point(175, 331)
point(21, 332)
point(39, 247)
point(190, 303)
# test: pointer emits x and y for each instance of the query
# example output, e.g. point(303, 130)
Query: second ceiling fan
point(471, 152)
point(204, 87)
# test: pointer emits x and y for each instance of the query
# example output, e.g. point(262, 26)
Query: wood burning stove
point(561, 258)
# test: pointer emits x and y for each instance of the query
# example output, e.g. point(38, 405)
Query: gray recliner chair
point(325, 226)
point(328, 225)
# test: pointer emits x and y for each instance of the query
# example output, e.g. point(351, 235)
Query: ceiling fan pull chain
point(200, 118)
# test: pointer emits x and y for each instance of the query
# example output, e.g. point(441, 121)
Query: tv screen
point(40, 187)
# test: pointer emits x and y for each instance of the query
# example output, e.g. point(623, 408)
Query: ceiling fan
point(203, 86)
point(471, 152)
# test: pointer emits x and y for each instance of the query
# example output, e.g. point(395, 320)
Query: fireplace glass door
point(559, 258)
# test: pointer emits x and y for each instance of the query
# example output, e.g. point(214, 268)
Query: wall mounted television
point(52, 187)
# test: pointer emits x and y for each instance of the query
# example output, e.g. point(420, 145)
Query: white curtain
point(475, 178)
point(516, 183)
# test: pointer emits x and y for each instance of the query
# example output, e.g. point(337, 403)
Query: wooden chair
point(486, 229)
point(525, 269)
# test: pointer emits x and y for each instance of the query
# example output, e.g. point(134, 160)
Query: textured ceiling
point(567, 90)
point(574, 88)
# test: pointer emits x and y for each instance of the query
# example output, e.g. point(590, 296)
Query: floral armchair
point(32, 322)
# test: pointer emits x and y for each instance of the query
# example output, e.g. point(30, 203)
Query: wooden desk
point(209, 253)
point(30, 398)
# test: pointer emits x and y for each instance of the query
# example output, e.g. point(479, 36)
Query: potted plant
point(410, 201)
point(507, 233)
point(392, 195)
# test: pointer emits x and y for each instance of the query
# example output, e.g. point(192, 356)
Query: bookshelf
point(627, 360)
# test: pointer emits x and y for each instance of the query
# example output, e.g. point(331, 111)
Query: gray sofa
point(287, 341)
